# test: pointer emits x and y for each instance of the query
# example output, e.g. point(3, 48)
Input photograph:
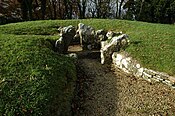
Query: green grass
point(153, 45)
point(34, 80)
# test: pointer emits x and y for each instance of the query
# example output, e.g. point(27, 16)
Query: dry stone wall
point(129, 65)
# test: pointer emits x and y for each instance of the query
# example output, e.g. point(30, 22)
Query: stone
point(155, 79)
point(59, 45)
point(103, 43)
point(114, 45)
point(101, 35)
point(124, 63)
point(139, 72)
point(129, 59)
point(147, 75)
point(172, 79)
point(86, 34)
point(118, 59)
point(72, 55)
point(167, 82)
point(67, 34)
point(151, 72)
point(138, 66)
point(144, 76)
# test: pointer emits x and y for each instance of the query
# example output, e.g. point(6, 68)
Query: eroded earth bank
point(103, 91)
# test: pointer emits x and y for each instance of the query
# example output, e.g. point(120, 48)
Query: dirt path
point(101, 91)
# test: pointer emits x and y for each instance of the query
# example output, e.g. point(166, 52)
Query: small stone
point(147, 75)
point(119, 57)
point(139, 72)
point(72, 55)
point(172, 79)
point(128, 59)
point(137, 65)
point(124, 63)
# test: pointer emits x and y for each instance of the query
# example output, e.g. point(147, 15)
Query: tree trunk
point(43, 8)
point(50, 9)
point(54, 9)
point(140, 11)
point(83, 8)
point(24, 10)
point(120, 8)
point(116, 8)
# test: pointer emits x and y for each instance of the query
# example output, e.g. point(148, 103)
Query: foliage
point(156, 11)
point(159, 11)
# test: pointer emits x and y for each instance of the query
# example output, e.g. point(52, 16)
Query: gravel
point(103, 91)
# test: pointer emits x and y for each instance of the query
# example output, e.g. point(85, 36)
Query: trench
point(102, 90)
point(95, 92)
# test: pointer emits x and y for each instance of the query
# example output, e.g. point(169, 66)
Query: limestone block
point(138, 66)
point(128, 65)
point(133, 69)
point(155, 79)
point(103, 44)
point(147, 75)
point(167, 82)
point(139, 72)
point(72, 55)
point(129, 60)
point(151, 72)
point(117, 58)
point(158, 77)
point(124, 63)
point(172, 79)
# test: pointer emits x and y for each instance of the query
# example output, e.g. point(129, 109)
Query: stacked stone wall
point(129, 65)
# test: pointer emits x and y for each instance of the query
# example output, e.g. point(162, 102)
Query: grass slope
point(35, 80)
point(151, 44)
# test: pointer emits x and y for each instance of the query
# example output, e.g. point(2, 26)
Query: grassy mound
point(34, 80)
point(151, 44)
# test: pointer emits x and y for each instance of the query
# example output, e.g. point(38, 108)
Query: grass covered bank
point(34, 80)
point(151, 44)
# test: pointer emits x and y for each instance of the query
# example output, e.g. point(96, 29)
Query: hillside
point(36, 80)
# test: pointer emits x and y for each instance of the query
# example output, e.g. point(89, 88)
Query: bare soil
point(103, 91)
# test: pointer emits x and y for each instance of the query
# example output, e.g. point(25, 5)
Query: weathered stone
point(101, 35)
point(67, 34)
point(114, 45)
point(124, 63)
point(155, 79)
point(72, 55)
point(172, 79)
point(167, 82)
point(133, 69)
point(158, 77)
point(139, 72)
point(117, 58)
point(151, 72)
point(103, 43)
point(138, 66)
point(86, 34)
point(147, 75)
